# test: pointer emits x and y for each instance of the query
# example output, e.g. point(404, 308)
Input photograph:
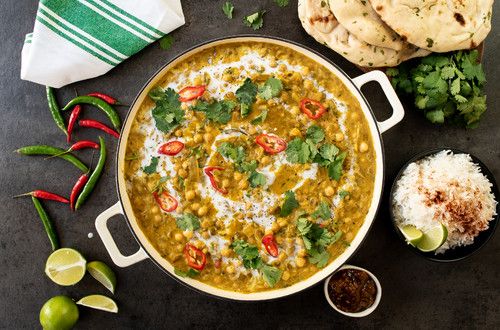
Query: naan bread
point(359, 18)
point(319, 22)
point(438, 25)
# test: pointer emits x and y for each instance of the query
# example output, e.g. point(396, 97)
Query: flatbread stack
point(384, 33)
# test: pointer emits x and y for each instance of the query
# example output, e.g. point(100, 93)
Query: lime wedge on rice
point(433, 239)
point(99, 302)
point(65, 266)
point(102, 273)
point(412, 235)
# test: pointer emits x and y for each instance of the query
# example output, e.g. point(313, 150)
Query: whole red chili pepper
point(77, 188)
point(72, 119)
point(105, 97)
point(98, 125)
point(42, 194)
point(83, 144)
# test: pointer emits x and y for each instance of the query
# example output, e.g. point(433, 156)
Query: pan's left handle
point(398, 111)
point(101, 224)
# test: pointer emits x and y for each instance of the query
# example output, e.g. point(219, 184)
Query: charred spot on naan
point(459, 18)
point(324, 24)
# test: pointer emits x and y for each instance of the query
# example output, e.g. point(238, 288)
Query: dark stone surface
point(416, 293)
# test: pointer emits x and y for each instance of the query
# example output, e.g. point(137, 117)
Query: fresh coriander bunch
point(446, 87)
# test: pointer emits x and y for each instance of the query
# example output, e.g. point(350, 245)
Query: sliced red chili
point(191, 92)
point(270, 245)
point(209, 172)
point(271, 143)
point(313, 109)
point(165, 201)
point(171, 148)
point(195, 258)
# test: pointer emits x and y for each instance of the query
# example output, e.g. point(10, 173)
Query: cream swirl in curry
point(250, 167)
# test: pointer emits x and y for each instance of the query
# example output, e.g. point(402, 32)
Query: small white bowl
point(367, 311)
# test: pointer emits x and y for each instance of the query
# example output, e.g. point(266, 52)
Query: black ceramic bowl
point(461, 252)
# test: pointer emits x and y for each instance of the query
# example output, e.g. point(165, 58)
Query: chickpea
point(265, 160)
point(282, 67)
point(202, 211)
point(230, 269)
point(237, 176)
point(188, 234)
point(300, 262)
point(295, 110)
point(243, 184)
point(225, 252)
point(329, 191)
point(295, 132)
point(190, 195)
point(205, 223)
point(195, 206)
point(178, 133)
point(225, 183)
point(207, 137)
point(302, 253)
point(339, 137)
point(155, 210)
point(282, 256)
point(363, 147)
point(275, 227)
point(182, 173)
point(252, 130)
point(308, 84)
point(205, 234)
point(157, 218)
point(178, 237)
point(282, 222)
point(285, 276)
point(198, 138)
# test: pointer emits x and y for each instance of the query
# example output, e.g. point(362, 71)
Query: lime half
point(412, 235)
point(59, 313)
point(65, 266)
point(99, 302)
point(102, 273)
point(433, 239)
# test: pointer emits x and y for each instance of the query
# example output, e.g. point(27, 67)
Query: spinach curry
point(250, 167)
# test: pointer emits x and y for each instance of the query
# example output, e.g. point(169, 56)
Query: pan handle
point(397, 108)
point(101, 224)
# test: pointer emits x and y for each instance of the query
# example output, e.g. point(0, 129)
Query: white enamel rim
point(367, 311)
point(148, 251)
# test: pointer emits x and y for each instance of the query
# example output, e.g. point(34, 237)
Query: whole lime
point(59, 312)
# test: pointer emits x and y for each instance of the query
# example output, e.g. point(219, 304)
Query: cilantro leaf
point(315, 134)
point(248, 253)
point(255, 20)
point(335, 168)
point(257, 179)
point(188, 221)
point(282, 3)
point(166, 42)
point(271, 275)
point(228, 8)
point(471, 68)
point(271, 88)
point(216, 111)
point(189, 273)
point(167, 113)
point(298, 151)
point(260, 118)
point(246, 95)
point(320, 259)
point(323, 211)
point(289, 204)
point(229, 150)
point(151, 168)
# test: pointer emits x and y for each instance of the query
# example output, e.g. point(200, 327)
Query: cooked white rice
point(445, 188)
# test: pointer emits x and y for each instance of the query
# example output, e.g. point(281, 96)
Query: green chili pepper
point(54, 109)
point(94, 177)
point(98, 103)
point(52, 151)
point(47, 224)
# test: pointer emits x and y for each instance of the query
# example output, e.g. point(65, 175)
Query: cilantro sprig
point(151, 168)
point(309, 151)
point(252, 260)
point(246, 95)
point(289, 204)
point(446, 88)
point(218, 111)
point(255, 20)
point(316, 240)
point(188, 221)
point(238, 155)
point(167, 113)
point(228, 9)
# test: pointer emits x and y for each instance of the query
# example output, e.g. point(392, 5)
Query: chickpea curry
point(250, 167)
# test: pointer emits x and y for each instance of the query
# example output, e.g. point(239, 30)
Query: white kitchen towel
point(75, 40)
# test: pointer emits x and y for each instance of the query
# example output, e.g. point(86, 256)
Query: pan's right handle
point(101, 224)
point(398, 111)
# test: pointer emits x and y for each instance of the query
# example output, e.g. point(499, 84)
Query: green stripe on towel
point(115, 34)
